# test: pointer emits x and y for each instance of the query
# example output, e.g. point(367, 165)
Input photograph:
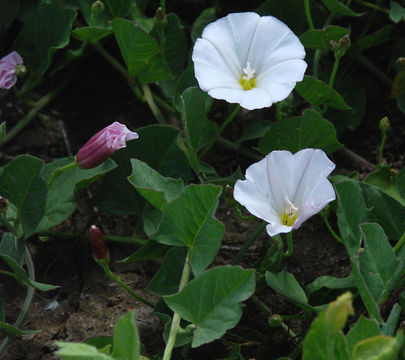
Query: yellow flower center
point(289, 215)
point(248, 80)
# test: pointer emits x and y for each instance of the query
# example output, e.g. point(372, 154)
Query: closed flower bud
point(21, 71)
point(8, 65)
point(344, 43)
point(384, 124)
point(97, 6)
point(3, 204)
point(103, 144)
point(275, 320)
point(100, 250)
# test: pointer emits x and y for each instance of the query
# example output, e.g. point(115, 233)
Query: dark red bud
point(100, 250)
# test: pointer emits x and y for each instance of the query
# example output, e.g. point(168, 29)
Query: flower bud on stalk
point(8, 65)
point(100, 250)
point(384, 124)
point(103, 144)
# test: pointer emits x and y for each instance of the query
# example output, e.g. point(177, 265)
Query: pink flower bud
point(8, 77)
point(102, 145)
point(100, 249)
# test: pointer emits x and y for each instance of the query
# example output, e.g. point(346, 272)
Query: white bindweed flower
point(247, 59)
point(285, 189)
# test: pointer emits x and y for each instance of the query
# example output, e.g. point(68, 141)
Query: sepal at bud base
point(101, 253)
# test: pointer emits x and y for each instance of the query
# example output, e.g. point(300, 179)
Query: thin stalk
point(380, 152)
point(59, 171)
point(373, 6)
point(39, 105)
point(230, 145)
point(279, 116)
point(248, 243)
point(334, 71)
point(117, 279)
point(220, 130)
point(332, 232)
point(152, 105)
point(290, 246)
point(176, 317)
point(28, 298)
point(308, 14)
point(400, 242)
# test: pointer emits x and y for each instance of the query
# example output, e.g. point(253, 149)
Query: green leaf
point(9, 11)
point(255, 129)
point(401, 102)
point(62, 199)
point(79, 351)
point(388, 180)
point(397, 12)
point(212, 301)
point(155, 188)
point(3, 131)
point(378, 348)
point(101, 343)
point(320, 39)
point(140, 52)
point(189, 221)
point(361, 330)
point(21, 275)
point(294, 134)
point(117, 194)
point(91, 34)
point(198, 130)
point(126, 343)
point(325, 339)
point(175, 44)
point(186, 80)
point(390, 325)
point(338, 9)
point(285, 284)
point(11, 246)
point(12, 330)
point(379, 37)
point(331, 282)
point(318, 93)
point(119, 7)
point(150, 251)
point(381, 276)
point(167, 280)
point(47, 30)
point(21, 184)
point(364, 291)
point(207, 16)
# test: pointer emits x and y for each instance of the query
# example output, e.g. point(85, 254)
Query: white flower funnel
point(285, 189)
point(247, 59)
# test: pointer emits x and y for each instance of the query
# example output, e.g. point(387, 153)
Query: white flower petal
point(229, 94)
point(313, 189)
point(210, 68)
point(280, 80)
point(255, 98)
point(253, 193)
point(269, 35)
point(274, 228)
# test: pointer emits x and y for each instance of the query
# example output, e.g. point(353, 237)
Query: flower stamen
point(248, 80)
point(290, 214)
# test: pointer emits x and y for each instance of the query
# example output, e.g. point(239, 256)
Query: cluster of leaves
point(179, 217)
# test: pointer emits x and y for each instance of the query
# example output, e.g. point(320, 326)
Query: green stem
point(230, 145)
point(117, 279)
point(163, 6)
point(59, 171)
point(152, 105)
point(400, 242)
point(308, 14)
point(39, 105)
point(373, 6)
point(28, 298)
point(220, 130)
point(279, 116)
point(290, 246)
point(334, 71)
point(248, 243)
point(332, 232)
point(174, 328)
point(380, 152)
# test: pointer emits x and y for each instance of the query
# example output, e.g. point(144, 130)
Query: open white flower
point(247, 59)
point(285, 189)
